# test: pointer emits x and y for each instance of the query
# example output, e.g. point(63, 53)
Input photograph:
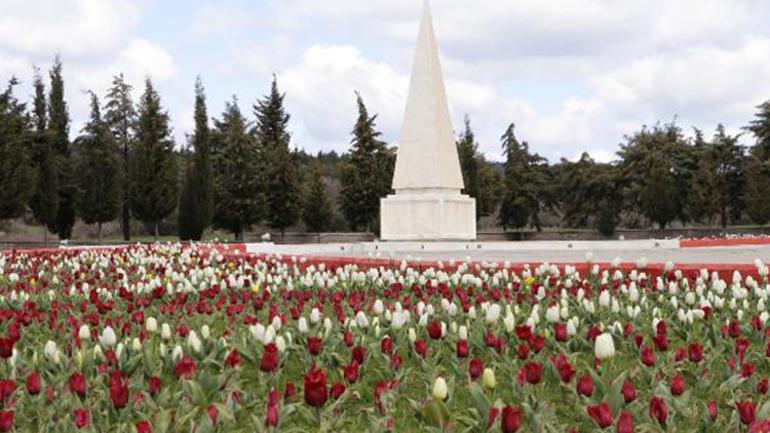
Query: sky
point(573, 75)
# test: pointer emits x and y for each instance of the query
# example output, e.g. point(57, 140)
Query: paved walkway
point(716, 255)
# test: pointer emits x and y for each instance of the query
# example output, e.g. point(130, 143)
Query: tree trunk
point(238, 234)
point(724, 218)
point(126, 223)
point(45, 236)
point(156, 231)
point(99, 231)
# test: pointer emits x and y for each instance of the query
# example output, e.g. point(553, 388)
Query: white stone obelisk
point(428, 203)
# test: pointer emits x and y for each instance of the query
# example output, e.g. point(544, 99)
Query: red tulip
point(434, 329)
point(233, 359)
point(760, 426)
point(628, 391)
point(763, 386)
point(269, 361)
point(585, 386)
point(677, 385)
point(314, 345)
point(494, 412)
point(563, 368)
point(712, 408)
point(289, 391)
point(510, 421)
point(143, 426)
point(648, 357)
point(337, 390)
point(681, 353)
point(475, 368)
point(347, 337)
point(533, 372)
point(601, 414)
point(272, 416)
point(386, 346)
point(421, 347)
point(6, 348)
point(359, 354)
point(81, 417)
point(118, 386)
point(315, 387)
point(185, 368)
point(33, 383)
point(395, 362)
point(351, 371)
point(154, 385)
point(659, 409)
point(462, 348)
point(6, 420)
point(213, 414)
point(77, 385)
point(625, 422)
point(522, 351)
point(560, 332)
point(696, 352)
point(746, 411)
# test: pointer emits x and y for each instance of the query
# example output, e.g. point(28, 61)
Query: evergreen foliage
point(196, 202)
point(318, 212)
point(239, 185)
point(367, 173)
point(154, 179)
point(283, 182)
point(58, 123)
point(98, 171)
point(120, 117)
point(44, 202)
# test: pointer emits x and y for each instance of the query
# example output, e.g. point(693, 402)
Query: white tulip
point(108, 337)
point(462, 332)
point(489, 378)
point(302, 325)
point(205, 332)
point(604, 346)
point(177, 354)
point(84, 332)
point(412, 335)
point(151, 325)
point(440, 390)
point(165, 332)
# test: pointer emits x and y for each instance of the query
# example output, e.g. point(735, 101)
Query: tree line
point(239, 170)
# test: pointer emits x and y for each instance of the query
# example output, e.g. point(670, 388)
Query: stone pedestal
point(430, 214)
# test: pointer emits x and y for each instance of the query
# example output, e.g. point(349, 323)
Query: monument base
point(429, 214)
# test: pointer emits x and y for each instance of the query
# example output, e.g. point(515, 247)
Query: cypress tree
point(758, 168)
point(16, 172)
point(196, 202)
point(366, 174)
point(45, 197)
point(283, 181)
point(120, 117)
point(239, 193)
point(98, 171)
point(153, 164)
point(481, 181)
point(318, 211)
point(659, 194)
point(523, 183)
point(58, 123)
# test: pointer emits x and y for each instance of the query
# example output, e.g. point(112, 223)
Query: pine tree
point(45, 197)
point(120, 117)
point(98, 171)
point(239, 186)
point(660, 149)
point(318, 211)
point(524, 183)
point(16, 172)
point(196, 202)
point(758, 168)
point(283, 183)
point(58, 123)
point(367, 173)
point(153, 171)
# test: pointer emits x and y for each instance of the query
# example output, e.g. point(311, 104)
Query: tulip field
point(173, 338)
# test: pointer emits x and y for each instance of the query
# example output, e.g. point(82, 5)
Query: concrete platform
point(654, 251)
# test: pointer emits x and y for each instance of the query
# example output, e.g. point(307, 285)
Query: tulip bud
point(604, 347)
point(489, 378)
point(84, 333)
point(440, 390)
point(151, 325)
point(165, 332)
point(108, 337)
